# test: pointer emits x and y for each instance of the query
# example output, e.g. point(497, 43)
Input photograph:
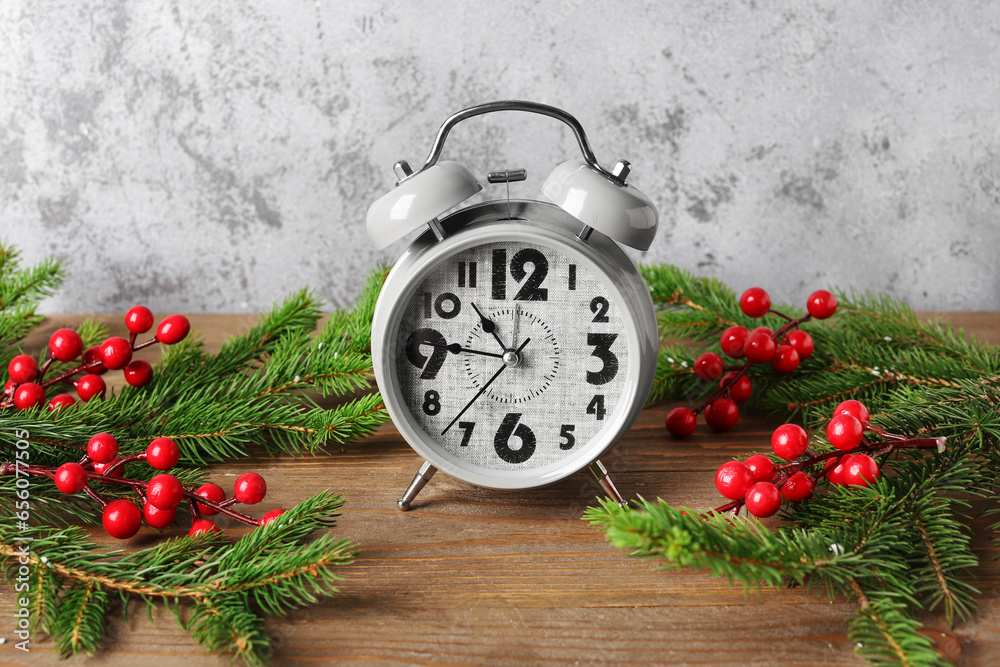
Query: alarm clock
point(514, 341)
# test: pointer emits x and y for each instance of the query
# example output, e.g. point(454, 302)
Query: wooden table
point(472, 576)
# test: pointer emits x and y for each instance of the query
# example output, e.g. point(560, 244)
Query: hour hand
point(455, 348)
point(489, 326)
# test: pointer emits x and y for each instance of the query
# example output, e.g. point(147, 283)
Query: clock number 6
point(602, 343)
point(510, 428)
point(418, 359)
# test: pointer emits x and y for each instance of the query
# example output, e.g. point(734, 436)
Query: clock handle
point(517, 105)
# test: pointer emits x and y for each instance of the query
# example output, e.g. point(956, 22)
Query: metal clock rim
point(484, 223)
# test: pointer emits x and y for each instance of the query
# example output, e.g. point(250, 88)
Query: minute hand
point(482, 390)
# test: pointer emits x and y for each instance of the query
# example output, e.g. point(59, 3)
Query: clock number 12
point(532, 289)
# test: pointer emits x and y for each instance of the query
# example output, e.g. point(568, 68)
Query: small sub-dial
point(536, 366)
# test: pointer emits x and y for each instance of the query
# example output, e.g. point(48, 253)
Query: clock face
point(512, 355)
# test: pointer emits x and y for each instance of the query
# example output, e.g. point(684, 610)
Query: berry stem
point(95, 496)
point(781, 314)
point(147, 343)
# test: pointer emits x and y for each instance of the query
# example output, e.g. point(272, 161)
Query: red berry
point(138, 372)
point(768, 330)
point(211, 492)
point(763, 499)
point(199, 526)
point(761, 467)
point(269, 517)
point(139, 319)
point(250, 488)
point(156, 517)
point(173, 329)
point(115, 353)
point(740, 391)
point(798, 487)
point(722, 414)
point(759, 347)
point(785, 359)
point(164, 492)
point(100, 468)
point(163, 453)
point(60, 401)
point(90, 385)
point(121, 519)
point(102, 448)
point(821, 304)
point(755, 302)
point(91, 356)
point(732, 479)
point(835, 470)
point(71, 478)
point(854, 408)
point(8, 389)
point(65, 344)
point(844, 431)
point(860, 470)
point(681, 422)
point(732, 341)
point(789, 441)
point(22, 368)
point(29, 395)
point(801, 341)
point(709, 366)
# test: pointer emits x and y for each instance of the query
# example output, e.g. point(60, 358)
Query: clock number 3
point(532, 289)
point(602, 343)
point(510, 427)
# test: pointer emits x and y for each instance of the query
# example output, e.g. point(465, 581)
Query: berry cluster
point(760, 346)
point(25, 388)
point(158, 498)
point(760, 484)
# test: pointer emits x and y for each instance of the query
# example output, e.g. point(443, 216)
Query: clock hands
point(455, 348)
point(489, 326)
point(517, 319)
point(510, 358)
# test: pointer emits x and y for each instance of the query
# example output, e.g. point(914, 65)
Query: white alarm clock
point(514, 342)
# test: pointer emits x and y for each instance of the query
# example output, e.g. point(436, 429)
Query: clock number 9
point(532, 289)
point(510, 428)
point(418, 359)
point(602, 343)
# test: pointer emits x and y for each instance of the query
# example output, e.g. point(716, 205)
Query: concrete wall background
point(216, 155)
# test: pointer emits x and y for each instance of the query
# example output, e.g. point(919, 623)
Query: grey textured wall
point(217, 154)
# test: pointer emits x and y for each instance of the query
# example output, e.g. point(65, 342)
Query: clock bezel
point(530, 222)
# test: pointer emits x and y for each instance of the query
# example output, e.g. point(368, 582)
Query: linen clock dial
point(564, 367)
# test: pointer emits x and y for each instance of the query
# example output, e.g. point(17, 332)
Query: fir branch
point(886, 634)
point(902, 541)
point(271, 569)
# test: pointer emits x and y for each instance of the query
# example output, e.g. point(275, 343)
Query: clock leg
point(601, 473)
point(423, 476)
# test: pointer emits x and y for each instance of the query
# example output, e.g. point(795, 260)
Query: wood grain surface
point(474, 576)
